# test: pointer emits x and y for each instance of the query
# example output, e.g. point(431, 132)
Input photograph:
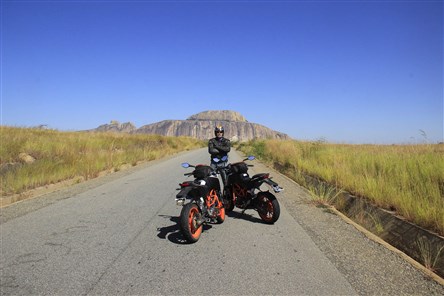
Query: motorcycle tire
point(228, 201)
point(268, 207)
point(188, 222)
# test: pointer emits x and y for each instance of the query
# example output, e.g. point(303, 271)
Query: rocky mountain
point(201, 126)
point(222, 115)
point(115, 126)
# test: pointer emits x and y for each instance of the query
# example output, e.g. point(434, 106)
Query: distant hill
point(115, 126)
point(201, 126)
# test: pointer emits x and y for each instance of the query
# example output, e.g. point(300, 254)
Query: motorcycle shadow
point(172, 232)
point(238, 215)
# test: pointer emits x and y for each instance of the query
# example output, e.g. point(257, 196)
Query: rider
point(218, 147)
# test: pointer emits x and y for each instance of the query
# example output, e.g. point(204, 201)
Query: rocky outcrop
point(115, 126)
point(222, 115)
point(201, 126)
point(26, 158)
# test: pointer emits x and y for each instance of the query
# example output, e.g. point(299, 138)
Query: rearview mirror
point(185, 165)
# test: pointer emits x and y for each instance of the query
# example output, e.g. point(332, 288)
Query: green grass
point(429, 254)
point(323, 195)
point(406, 178)
point(65, 155)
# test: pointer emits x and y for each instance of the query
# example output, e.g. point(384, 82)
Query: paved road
point(118, 235)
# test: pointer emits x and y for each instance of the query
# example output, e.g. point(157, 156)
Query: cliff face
point(201, 126)
point(116, 126)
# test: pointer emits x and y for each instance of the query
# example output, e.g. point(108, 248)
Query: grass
point(65, 155)
point(405, 178)
point(429, 254)
point(408, 179)
point(322, 194)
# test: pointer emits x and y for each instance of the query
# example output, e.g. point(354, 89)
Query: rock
point(26, 158)
point(8, 167)
point(222, 115)
point(115, 126)
point(201, 126)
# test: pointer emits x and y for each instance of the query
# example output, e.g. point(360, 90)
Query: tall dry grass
point(64, 155)
point(405, 178)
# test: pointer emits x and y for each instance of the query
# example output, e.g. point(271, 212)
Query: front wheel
point(190, 222)
point(268, 207)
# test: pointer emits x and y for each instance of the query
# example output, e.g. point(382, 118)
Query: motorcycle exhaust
point(274, 185)
point(276, 188)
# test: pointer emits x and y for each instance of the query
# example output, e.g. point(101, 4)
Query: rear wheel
point(268, 207)
point(190, 224)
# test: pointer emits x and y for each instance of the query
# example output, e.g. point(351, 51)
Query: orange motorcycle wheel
point(268, 207)
point(190, 224)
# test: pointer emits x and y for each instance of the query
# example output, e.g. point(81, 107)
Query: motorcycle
point(244, 192)
point(201, 201)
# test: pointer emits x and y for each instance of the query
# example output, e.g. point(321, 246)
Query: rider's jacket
point(219, 147)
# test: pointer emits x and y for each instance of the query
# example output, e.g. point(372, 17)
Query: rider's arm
point(224, 146)
point(211, 148)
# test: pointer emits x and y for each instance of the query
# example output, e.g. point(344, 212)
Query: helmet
point(218, 129)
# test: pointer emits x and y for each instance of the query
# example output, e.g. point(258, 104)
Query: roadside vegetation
point(30, 158)
point(408, 179)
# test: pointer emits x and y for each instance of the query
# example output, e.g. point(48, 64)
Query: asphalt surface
point(118, 235)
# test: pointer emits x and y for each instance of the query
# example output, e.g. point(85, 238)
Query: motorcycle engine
point(212, 211)
point(242, 196)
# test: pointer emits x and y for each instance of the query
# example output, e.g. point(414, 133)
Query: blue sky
point(341, 71)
